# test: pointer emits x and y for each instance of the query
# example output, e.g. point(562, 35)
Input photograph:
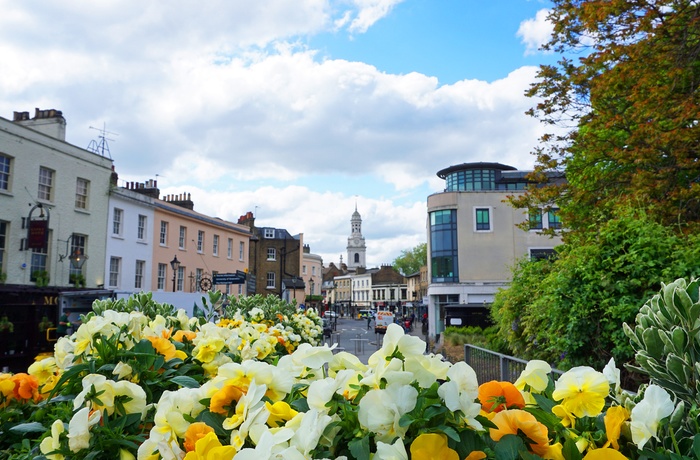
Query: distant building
point(311, 273)
point(357, 251)
point(276, 259)
point(473, 240)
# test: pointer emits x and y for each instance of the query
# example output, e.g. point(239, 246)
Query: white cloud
point(221, 100)
point(535, 32)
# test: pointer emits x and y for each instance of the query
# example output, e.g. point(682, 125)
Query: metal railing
point(490, 365)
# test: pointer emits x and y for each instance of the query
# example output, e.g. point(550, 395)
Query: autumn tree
point(624, 103)
point(411, 260)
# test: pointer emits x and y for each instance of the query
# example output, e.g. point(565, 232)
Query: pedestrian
point(63, 323)
point(369, 320)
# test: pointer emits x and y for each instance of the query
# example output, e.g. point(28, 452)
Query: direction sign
point(228, 278)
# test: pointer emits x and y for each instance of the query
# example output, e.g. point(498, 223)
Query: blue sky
point(449, 39)
point(298, 111)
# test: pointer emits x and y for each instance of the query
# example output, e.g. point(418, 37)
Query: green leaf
point(360, 448)
point(184, 381)
point(509, 447)
point(31, 427)
point(570, 451)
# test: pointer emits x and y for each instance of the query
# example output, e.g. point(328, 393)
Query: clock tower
point(356, 243)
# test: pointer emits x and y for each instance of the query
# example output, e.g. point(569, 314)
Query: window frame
point(82, 193)
point(270, 282)
point(182, 239)
point(163, 238)
point(269, 233)
point(47, 178)
point(271, 254)
point(479, 227)
point(114, 271)
point(215, 246)
point(162, 274)
point(200, 241)
point(139, 269)
point(6, 172)
point(241, 251)
point(141, 224)
point(117, 221)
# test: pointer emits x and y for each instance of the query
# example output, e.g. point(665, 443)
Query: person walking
point(369, 320)
point(63, 323)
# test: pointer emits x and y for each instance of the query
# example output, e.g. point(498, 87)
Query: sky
point(299, 111)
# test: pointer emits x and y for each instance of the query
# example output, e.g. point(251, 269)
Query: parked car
point(330, 314)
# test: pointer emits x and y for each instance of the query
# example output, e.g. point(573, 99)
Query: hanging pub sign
point(38, 229)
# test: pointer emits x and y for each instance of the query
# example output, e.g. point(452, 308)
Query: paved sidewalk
point(364, 344)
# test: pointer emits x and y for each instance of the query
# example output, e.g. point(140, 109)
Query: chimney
point(247, 219)
point(184, 200)
point(49, 122)
point(149, 189)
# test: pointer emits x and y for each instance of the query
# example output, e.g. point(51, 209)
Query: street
point(353, 336)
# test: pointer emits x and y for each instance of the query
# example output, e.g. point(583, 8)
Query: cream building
point(473, 240)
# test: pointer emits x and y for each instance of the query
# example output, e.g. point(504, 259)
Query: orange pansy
point(496, 396)
point(222, 401)
point(194, 433)
point(181, 336)
point(514, 421)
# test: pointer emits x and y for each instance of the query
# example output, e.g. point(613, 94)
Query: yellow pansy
point(280, 412)
point(209, 448)
point(604, 454)
point(582, 390)
point(432, 446)
point(614, 418)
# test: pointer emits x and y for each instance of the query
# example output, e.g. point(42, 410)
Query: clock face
point(357, 241)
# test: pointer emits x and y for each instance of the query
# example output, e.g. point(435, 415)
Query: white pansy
point(53, 442)
point(395, 339)
point(536, 375)
point(395, 451)
point(122, 370)
point(612, 373)
point(427, 369)
point(647, 414)
point(381, 410)
point(460, 392)
point(320, 393)
point(309, 428)
point(79, 429)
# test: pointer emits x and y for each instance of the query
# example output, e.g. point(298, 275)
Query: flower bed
point(255, 383)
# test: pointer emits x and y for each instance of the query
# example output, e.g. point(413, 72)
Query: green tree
point(570, 311)
point(627, 112)
point(411, 260)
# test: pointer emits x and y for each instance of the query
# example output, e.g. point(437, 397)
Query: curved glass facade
point(443, 246)
point(474, 180)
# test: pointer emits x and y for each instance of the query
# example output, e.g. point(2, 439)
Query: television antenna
point(101, 147)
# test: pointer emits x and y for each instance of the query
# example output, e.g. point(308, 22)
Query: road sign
point(229, 278)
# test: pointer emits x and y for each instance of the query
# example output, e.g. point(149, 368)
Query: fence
point(490, 365)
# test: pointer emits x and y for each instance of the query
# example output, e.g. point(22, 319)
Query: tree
point(629, 109)
point(411, 260)
point(569, 311)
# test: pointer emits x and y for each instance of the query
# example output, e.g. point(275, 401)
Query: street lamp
point(175, 265)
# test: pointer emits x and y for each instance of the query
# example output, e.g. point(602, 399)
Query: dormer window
point(269, 233)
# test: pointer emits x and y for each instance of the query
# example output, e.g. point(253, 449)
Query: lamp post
point(175, 265)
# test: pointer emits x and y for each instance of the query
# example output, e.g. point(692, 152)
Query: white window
point(3, 241)
point(199, 273)
point(38, 263)
point(313, 271)
point(138, 277)
point(5, 172)
point(215, 246)
point(141, 229)
point(81, 193)
point(483, 220)
point(269, 233)
point(270, 280)
point(45, 183)
point(241, 250)
point(200, 241)
point(183, 237)
point(77, 246)
point(162, 268)
point(180, 278)
point(271, 254)
point(163, 233)
point(114, 271)
point(303, 269)
point(117, 219)
point(229, 252)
